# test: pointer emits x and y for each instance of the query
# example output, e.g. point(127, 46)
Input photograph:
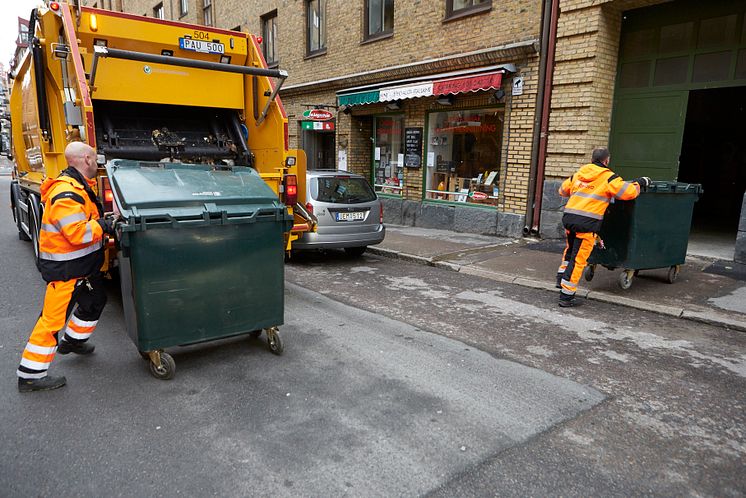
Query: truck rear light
point(54, 6)
point(106, 194)
point(291, 189)
point(380, 219)
point(93, 22)
point(309, 207)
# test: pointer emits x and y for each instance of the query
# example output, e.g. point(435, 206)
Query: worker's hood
point(590, 172)
point(48, 185)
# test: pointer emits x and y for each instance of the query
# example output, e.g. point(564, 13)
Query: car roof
point(331, 172)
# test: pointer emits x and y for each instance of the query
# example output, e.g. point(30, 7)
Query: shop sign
point(478, 196)
point(406, 92)
point(413, 147)
point(317, 115)
point(318, 125)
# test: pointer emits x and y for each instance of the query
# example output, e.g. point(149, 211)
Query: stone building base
point(455, 218)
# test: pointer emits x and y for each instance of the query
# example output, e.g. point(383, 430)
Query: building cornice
point(466, 60)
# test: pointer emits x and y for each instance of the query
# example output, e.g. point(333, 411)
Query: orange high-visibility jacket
point(591, 189)
point(70, 237)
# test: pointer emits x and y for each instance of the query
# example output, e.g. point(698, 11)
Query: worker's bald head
point(82, 157)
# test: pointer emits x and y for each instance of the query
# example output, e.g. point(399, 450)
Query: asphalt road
point(359, 405)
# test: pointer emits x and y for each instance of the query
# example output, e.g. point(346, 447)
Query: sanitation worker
point(71, 253)
point(591, 189)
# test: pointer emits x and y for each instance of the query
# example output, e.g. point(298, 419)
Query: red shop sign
point(317, 115)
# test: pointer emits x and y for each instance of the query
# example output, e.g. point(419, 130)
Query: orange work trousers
point(59, 299)
point(578, 248)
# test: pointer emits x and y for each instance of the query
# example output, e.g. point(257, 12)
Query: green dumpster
point(201, 255)
point(651, 231)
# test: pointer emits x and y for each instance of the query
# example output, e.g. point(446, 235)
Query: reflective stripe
point(71, 218)
point(625, 185)
point(82, 323)
point(35, 365)
point(567, 292)
point(593, 196)
point(88, 235)
point(569, 285)
point(26, 375)
point(77, 335)
point(33, 348)
point(585, 213)
point(49, 228)
point(67, 256)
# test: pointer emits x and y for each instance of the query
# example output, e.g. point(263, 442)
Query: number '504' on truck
point(145, 89)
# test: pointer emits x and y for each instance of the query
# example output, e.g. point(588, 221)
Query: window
point(207, 12)
point(342, 190)
point(158, 11)
point(183, 7)
point(465, 151)
point(316, 26)
point(388, 155)
point(379, 18)
point(269, 34)
point(460, 8)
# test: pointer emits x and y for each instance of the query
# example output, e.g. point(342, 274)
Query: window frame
point(452, 15)
point(159, 11)
point(269, 16)
point(322, 20)
point(183, 8)
point(207, 8)
point(367, 37)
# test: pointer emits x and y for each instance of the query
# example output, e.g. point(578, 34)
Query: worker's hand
point(644, 181)
point(107, 224)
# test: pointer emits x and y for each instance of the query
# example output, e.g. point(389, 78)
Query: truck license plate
point(201, 46)
point(350, 216)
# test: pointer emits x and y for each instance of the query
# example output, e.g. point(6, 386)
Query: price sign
point(413, 147)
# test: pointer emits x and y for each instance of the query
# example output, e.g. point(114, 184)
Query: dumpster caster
point(162, 365)
point(625, 279)
point(673, 272)
point(590, 272)
point(274, 341)
point(254, 334)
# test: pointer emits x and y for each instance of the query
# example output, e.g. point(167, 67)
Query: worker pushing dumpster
point(201, 255)
point(649, 232)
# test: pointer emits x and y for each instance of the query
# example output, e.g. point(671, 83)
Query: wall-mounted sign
point(317, 115)
point(318, 125)
point(413, 147)
point(517, 85)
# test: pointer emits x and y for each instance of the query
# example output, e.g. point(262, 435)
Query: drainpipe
point(550, 14)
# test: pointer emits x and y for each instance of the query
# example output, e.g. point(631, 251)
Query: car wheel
point(355, 251)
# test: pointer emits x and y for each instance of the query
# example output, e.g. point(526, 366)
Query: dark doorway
point(320, 149)
point(713, 153)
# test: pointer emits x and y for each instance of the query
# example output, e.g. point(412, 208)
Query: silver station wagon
point(349, 212)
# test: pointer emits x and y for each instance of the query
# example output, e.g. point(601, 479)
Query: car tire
point(355, 252)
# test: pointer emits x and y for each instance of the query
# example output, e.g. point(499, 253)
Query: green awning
point(360, 98)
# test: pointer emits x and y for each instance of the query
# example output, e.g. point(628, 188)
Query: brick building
point(439, 102)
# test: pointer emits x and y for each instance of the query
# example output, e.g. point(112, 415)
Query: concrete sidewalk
point(707, 290)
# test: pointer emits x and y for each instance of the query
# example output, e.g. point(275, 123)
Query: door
point(647, 131)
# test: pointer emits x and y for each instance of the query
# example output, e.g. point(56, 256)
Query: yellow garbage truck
point(145, 89)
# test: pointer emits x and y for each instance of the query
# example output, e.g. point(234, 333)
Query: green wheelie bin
point(200, 254)
point(649, 232)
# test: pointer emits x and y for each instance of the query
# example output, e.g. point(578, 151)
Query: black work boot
point(566, 301)
point(44, 384)
point(75, 347)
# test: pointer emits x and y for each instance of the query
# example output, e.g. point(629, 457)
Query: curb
point(708, 317)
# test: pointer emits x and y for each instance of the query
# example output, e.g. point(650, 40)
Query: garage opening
point(713, 153)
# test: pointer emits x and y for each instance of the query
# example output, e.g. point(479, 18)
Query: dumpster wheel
point(673, 273)
point(274, 341)
point(590, 272)
point(625, 279)
point(162, 365)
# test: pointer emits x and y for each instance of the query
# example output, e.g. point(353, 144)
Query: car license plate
point(350, 216)
point(201, 46)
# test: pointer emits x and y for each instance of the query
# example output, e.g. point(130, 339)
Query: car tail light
point(291, 189)
point(106, 194)
point(380, 220)
point(309, 207)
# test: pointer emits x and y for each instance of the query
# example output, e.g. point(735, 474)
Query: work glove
point(644, 181)
point(107, 224)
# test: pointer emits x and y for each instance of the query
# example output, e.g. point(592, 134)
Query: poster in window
point(413, 147)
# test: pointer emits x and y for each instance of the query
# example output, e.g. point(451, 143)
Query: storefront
point(317, 138)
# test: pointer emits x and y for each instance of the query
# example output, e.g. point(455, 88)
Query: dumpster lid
point(669, 187)
point(176, 188)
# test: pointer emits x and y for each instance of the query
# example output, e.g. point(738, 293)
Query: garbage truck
point(145, 89)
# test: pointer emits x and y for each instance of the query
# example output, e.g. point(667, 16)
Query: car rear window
point(342, 190)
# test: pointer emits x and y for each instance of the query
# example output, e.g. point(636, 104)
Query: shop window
point(671, 71)
point(635, 74)
point(269, 35)
point(379, 18)
point(463, 156)
point(676, 38)
point(461, 8)
point(316, 27)
point(638, 43)
point(183, 7)
point(158, 11)
point(207, 12)
point(711, 67)
point(388, 154)
point(717, 31)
